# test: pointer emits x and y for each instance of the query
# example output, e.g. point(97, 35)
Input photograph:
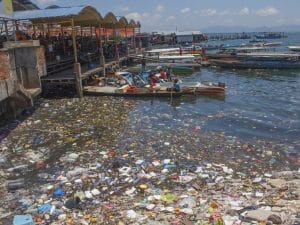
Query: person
point(176, 86)
point(169, 72)
point(153, 80)
point(162, 74)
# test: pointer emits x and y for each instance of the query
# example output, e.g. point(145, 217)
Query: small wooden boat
point(135, 92)
point(204, 87)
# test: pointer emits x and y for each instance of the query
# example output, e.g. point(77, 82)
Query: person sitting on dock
point(176, 86)
point(153, 80)
point(162, 75)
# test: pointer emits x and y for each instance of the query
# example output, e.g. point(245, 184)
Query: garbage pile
point(84, 163)
point(112, 191)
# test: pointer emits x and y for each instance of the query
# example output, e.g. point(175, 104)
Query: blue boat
point(270, 35)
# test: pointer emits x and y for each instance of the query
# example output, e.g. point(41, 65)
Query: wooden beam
point(74, 41)
point(6, 29)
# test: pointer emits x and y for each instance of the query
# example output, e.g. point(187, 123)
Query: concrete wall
point(22, 64)
point(8, 79)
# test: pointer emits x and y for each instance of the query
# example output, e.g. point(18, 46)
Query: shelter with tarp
point(78, 35)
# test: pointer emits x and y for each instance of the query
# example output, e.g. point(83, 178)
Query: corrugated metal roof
point(47, 13)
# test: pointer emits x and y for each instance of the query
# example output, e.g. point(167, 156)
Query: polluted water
point(121, 161)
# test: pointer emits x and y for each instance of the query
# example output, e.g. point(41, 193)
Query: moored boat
point(130, 92)
point(295, 48)
point(204, 87)
point(257, 60)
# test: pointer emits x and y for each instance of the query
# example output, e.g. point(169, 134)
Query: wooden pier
point(62, 73)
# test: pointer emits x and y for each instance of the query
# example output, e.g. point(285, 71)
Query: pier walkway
point(63, 73)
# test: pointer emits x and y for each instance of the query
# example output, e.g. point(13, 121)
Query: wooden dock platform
point(63, 73)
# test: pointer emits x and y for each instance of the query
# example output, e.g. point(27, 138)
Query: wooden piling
point(77, 66)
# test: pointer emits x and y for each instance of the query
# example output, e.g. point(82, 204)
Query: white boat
point(174, 57)
point(294, 48)
point(162, 51)
point(204, 87)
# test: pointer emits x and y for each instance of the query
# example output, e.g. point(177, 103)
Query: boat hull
point(256, 64)
point(94, 91)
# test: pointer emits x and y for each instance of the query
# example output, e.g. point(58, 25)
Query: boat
point(204, 87)
point(270, 35)
point(294, 48)
point(258, 60)
point(128, 85)
point(262, 44)
point(130, 92)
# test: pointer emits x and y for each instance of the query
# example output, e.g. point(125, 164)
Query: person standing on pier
point(176, 86)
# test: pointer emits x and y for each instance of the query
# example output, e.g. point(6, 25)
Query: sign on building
point(6, 9)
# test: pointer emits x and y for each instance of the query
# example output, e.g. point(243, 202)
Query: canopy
point(132, 24)
point(82, 15)
point(109, 21)
point(123, 23)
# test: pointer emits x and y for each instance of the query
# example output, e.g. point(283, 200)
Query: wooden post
point(34, 32)
point(63, 39)
point(127, 49)
point(134, 45)
point(77, 67)
point(48, 28)
point(6, 29)
point(102, 58)
point(117, 56)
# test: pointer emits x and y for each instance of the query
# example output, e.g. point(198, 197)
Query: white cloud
point(268, 11)
point(149, 18)
point(244, 12)
point(124, 8)
point(170, 18)
point(135, 16)
point(185, 10)
point(208, 12)
point(159, 8)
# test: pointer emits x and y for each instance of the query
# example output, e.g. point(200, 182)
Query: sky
point(188, 15)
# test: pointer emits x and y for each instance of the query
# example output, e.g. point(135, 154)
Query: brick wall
point(41, 56)
point(4, 65)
